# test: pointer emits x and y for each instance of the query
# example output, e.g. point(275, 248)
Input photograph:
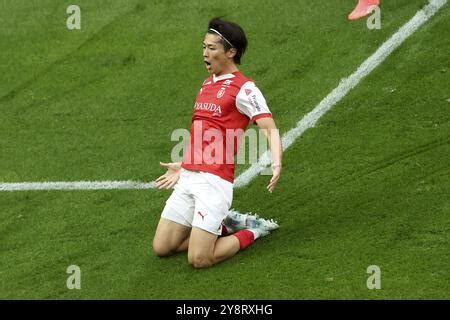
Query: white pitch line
point(344, 87)
point(308, 121)
point(75, 185)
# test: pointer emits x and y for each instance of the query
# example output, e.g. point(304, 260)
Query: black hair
point(231, 32)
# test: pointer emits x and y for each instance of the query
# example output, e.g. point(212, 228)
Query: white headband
point(214, 30)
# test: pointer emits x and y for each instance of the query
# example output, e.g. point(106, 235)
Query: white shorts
point(201, 200)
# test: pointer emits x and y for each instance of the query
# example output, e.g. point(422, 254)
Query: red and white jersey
point(223, 108)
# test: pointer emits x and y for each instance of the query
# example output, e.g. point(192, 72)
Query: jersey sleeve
point(251, 102)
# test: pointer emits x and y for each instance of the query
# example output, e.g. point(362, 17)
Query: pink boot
point(362, 8)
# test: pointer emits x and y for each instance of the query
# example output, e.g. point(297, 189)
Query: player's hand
point(170, 178)
point(276, 172)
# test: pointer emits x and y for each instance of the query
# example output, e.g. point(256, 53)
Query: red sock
point(245, 238)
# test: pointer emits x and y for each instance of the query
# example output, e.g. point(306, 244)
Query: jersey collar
point(224, 76)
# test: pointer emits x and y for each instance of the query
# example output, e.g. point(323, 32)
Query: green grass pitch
point(369, 185)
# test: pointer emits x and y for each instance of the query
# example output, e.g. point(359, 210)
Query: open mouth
point(208, 64)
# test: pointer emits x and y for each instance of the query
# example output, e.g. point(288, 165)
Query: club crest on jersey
point(225, 85)
point(220, 93)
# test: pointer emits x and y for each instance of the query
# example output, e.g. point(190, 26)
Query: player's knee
point(199, 261)
point(161, 250)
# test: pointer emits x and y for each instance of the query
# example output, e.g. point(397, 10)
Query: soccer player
point(362, 9)
point(203, 183)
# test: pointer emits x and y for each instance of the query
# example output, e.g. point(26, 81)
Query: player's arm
point(251, 102)
point(170, 178)
point(267, 124)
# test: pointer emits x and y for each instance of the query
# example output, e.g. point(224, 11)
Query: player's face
point(214, 54)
